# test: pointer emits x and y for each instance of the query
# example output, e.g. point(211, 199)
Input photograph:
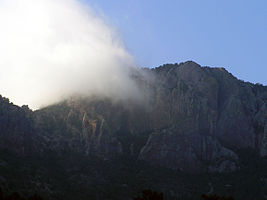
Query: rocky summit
point(189, 120)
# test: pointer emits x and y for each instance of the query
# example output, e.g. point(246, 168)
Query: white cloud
point(50, 49)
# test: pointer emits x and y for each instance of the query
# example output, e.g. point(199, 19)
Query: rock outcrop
point(16, 128)
point(191, 118)
point(206, 115)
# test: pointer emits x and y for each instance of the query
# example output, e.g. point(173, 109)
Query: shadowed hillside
point(196, 128)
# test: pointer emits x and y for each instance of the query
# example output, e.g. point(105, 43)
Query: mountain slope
point(190, 119)
point(193, 119)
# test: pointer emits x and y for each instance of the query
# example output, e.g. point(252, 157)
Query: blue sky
point(228, 33)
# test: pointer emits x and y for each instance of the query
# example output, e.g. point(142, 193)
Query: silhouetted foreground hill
point(195, 130)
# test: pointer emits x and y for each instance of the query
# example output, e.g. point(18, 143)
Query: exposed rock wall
point(191, 118)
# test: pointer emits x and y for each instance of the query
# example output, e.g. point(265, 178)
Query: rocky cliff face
point(16, 128)
point(204, 116)
point(192, 118)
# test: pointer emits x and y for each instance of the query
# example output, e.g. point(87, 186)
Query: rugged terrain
point(195, 129)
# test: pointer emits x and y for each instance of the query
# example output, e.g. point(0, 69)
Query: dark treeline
point(146, 195)
point(17, 196)
point(215, 197)
point(149, 195)
point(153, 195)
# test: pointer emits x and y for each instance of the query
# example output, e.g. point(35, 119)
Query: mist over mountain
point(196, 128)
point(54, 49)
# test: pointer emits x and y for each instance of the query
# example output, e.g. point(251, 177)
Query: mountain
point(197, 127)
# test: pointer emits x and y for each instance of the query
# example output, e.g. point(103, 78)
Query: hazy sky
point(222, 33)
point(51, 49)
